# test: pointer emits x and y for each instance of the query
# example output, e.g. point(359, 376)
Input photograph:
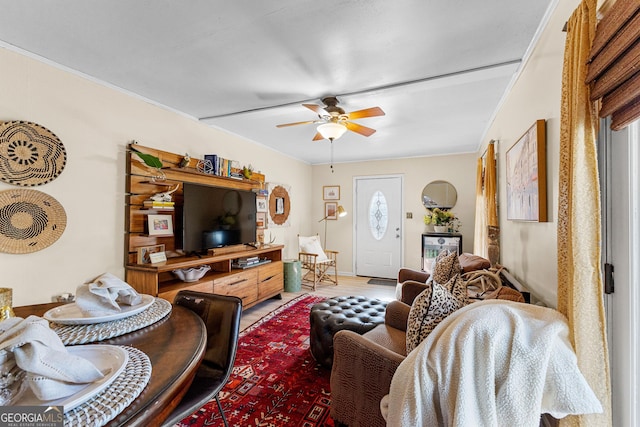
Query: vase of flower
point(441, 221)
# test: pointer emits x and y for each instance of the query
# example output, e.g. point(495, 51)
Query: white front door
point(378, 226)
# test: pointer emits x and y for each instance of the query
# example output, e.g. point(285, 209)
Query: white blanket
point(491, 363)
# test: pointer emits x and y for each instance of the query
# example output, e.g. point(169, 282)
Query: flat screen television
point(215, 217)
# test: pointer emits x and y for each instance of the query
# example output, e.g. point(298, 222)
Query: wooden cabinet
point(252, 284)
point(270, 279)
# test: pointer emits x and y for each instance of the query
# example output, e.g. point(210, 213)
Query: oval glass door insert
point(378, 215)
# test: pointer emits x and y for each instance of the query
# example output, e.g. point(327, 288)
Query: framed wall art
point(160, 225)
point(331, 192)
point(330, 210)
point(261, 204)
point(527, 176)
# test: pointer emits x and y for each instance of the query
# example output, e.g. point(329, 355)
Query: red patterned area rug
point(275, 380)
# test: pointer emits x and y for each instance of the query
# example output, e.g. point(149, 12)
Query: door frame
point(619, 161)
point(354, 254)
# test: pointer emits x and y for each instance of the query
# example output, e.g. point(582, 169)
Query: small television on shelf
point(214, 217)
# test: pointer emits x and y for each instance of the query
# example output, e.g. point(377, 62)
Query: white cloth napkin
point(103, 296)
point(51, 372)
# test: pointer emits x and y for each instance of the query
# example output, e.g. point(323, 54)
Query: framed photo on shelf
point(331, 210)
point(261, 219)
point(261, 204)
point(160, 225)
point(145, 253)
point(331, 192)
point(527, 176)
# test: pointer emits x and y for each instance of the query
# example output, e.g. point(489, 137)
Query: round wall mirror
point(439, 194)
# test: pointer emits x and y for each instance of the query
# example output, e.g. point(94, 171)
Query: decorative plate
point(30, 220)
point(30, 154)
point(70, 314)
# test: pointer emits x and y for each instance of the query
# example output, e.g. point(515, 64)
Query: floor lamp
point(340, 212)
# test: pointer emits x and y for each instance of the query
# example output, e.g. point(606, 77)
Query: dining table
point(175, 346)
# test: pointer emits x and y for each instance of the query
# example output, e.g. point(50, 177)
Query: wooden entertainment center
point(253, 284)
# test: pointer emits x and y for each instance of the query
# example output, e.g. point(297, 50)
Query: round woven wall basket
point(30, 154)
point(30, 221)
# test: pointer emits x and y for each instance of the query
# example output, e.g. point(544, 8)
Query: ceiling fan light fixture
point(331, 131)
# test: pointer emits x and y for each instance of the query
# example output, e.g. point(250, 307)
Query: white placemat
point(84, 334)
point(114, 399)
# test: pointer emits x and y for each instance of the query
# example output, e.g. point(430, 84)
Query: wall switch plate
point(409, 215)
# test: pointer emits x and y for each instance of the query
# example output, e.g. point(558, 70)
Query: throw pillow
point(471, 262)
point(446, 266)
point(431, 306)
point(311, 245)
point(458, 288)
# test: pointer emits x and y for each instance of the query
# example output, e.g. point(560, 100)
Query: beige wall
point(95, 123)
point(459, 170)
point(529, 250)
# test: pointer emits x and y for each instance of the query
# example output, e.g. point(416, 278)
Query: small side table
point(292, 275)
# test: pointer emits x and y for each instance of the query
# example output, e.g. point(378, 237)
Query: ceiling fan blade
point(362, 130)
point(317, 137)
point(296, 123)
point(367, 112)
point(315, 108)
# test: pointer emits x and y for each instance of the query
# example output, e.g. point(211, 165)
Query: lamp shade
point(331, 131)
point(341, 212)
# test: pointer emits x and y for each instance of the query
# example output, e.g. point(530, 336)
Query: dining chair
point(221, 315)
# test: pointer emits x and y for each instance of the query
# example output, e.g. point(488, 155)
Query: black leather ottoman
point(355, 313)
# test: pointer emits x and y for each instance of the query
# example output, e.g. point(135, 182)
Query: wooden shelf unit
point(252, 284)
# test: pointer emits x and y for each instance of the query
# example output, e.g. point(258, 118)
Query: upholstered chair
point(363, 365)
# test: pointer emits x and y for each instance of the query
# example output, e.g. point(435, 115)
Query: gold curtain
point(480, 230)
point(580, 296)
point(490, 187)
point(486, 205)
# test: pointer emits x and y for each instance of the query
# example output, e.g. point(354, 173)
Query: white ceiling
point(438, 68)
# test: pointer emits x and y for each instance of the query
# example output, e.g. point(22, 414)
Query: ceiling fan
point(334, 121)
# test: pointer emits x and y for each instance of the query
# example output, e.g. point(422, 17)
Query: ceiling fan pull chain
point(331, 142)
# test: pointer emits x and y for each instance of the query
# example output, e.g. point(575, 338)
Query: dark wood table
point(175, 345)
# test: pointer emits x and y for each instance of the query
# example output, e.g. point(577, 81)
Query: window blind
point(614, 64)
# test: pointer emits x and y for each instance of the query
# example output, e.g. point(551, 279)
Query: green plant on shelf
point(151, 161)
point(442, 217)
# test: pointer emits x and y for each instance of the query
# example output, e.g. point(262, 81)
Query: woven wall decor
point(30, 154)
point(30, 220)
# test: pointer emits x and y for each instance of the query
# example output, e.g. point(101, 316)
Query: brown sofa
point(363, 365)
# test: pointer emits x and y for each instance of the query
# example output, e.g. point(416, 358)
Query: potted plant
point(442, 221)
